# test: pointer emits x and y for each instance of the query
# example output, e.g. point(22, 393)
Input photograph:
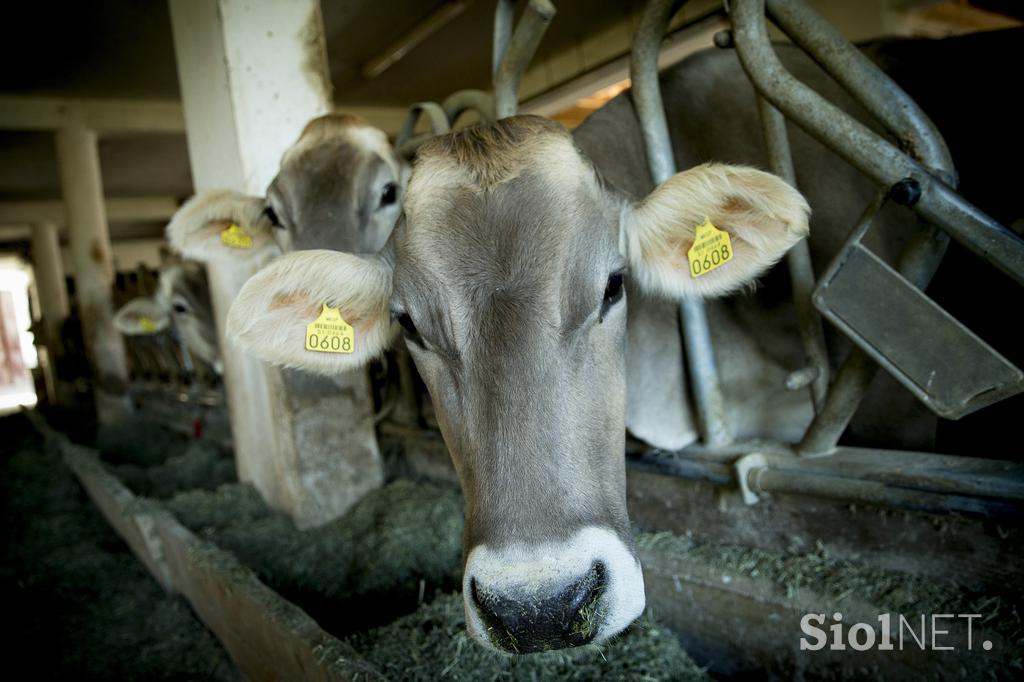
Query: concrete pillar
point(79, 161)
point(53, 301)
point(252, 74)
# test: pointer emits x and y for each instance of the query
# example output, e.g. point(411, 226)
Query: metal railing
point(919, 174)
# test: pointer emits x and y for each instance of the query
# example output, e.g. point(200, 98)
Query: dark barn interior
point(512, 340)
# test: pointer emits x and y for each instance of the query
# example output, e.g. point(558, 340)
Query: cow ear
point(342, 295)
point(140, 317)
point(742, 220)
point(222, 226)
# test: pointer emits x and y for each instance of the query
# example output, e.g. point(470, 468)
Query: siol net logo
point(893, 632)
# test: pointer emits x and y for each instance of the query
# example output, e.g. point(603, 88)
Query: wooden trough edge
point(267, 636)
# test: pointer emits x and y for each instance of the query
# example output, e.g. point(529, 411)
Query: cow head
point(339, 187)
point(181, 304)
point(506, 279)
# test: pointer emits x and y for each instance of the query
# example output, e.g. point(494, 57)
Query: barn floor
point(384, 578)
point(78, 605)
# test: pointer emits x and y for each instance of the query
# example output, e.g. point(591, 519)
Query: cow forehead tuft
point(344, 128)
point(486, 156)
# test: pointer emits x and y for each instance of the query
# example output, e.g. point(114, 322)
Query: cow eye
point(180, 308)
point(409, 328)
point(389, 195)
point(272, 216)
point(612, 292)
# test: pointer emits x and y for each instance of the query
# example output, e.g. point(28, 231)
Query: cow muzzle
point(528, 598)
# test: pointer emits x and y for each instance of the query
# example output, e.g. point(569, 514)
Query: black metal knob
point(906, 192)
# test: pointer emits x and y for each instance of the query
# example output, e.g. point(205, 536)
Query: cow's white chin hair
point(534, 568)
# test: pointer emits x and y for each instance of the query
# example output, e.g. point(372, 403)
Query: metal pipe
point(700, 357)
point(715, 473)
point(801, 272)
point(519, 51)
point(504, 18)
point(869, 85)
point(903, 480)
point(769, 480)
point(865, 150)
point(462, 101)
point(436, 116)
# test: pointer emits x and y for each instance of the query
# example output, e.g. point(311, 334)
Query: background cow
point(181, 307)
point(340, 187)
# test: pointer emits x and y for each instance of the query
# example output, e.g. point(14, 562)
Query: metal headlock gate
point(920, 175)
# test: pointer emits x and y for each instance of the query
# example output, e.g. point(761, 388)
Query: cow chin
point(527, 598)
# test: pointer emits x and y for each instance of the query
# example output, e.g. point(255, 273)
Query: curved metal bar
point(867, 151)
point(700, 356)
point(520, 50)
point(871, 86)
point(461, 101)
point(798, 259)
point(435, 114)
point(643, 71)
point(504, 17)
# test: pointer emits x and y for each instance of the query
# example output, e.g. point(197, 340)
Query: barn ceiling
point(119, 49)
point(124, 49)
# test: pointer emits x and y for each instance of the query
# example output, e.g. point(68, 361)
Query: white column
point(53, 298)
point(252, 74)
point(78, 158)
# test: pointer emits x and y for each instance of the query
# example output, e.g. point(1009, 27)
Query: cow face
point(506, 279)
point(339, 187)
point(182, 305)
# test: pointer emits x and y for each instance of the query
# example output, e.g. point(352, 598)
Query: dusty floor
point(78, 605)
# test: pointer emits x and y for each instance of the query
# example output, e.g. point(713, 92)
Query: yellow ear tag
point(711, 249)
point(329, 333)
point(147, 325)
point(236, 238)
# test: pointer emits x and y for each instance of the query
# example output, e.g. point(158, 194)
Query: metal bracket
point(746, 465)
point(939, 360)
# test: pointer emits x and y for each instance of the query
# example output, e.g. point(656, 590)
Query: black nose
point(523, 624)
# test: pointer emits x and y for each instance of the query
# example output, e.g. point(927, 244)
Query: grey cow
point(181, 305)
point(505, 280)
point(340, 187)
point(506, 277)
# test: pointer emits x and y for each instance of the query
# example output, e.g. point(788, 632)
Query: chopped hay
point(398, 545)
point(81, 605)
point(894, 591)
point(139, 441)
point(202, 466)
point(432, 643)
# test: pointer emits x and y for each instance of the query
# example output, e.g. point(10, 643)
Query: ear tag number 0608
point(711, 249)
point(329, 333)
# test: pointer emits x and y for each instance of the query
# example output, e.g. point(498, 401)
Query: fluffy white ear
point(271, 314)
point(221, 225)
point(762, 215)
point(141, 316)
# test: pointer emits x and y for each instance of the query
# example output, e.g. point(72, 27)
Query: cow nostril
point(525, 623)
point(584, 601)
